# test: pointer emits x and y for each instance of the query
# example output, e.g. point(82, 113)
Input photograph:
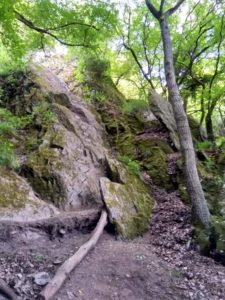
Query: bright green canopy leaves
point(29, 25)
point(126, 35)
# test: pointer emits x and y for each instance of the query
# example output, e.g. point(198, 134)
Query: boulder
point(18, 201)
point(128, 201)
point(162, 109)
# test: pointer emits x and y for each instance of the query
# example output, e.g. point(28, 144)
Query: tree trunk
point(202, 114)
point(209, 126)
point(194, 187)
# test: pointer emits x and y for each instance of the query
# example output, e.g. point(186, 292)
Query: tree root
point(65, 269)
point(7, 291)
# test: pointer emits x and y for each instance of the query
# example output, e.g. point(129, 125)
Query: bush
point(205, 145)
point(9, 123)
point(96, 67)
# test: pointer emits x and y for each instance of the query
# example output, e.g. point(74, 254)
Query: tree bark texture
point(194, 187)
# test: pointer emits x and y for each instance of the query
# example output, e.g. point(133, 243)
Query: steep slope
point(64, 157)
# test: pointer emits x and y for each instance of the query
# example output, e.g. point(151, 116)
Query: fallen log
point(66, 268)
point(7, 291)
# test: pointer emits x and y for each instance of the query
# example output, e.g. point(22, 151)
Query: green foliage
point(133, 165)
point(220, 142)
point(93, 95)
point(134, 105)
point(39, 258)
point(7, 155)
point(205, 145)
point(8, 126)
point(8, 63)
point(9, 122)
point(43, 115)
point(209, 165)
point(115, 30)
point(96, 68)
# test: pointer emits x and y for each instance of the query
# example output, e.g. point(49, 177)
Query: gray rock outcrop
point(18, 201)
point(67, 162)
point(162, 109)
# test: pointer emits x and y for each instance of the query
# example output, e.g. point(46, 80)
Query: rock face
point(67, 166)
point(65, 159)
point(162, 109)
point(18, 201)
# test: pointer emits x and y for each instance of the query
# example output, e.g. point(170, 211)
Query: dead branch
point(66, 268)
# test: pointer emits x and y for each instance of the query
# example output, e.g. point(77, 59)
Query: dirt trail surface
point(163, 264)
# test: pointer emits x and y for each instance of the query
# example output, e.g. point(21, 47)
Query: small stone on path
point(41, 278)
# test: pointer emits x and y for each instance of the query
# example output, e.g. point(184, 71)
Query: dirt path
point(114, 270)
point(161, 265)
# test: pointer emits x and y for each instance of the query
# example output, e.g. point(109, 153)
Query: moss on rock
point(12, 193)
point(195, 128)
point(127, 200)
point(153, 155)
point(219, 234)
point(145, 144)
point(129, 206)
point(221, 159)
point(41, 167)
point(18, 201)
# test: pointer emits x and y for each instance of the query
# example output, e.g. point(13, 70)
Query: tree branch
point(44, 31)
point(145, 48)
point(152, 9)
point(161, 7)
point(72, 23)
point(174, 8)
point(138, 63)
point(217, 61)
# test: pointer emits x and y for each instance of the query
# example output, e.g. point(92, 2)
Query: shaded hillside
point(72, 159)
point(146, 141)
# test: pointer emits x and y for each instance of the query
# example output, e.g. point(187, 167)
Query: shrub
point(205, 145)
point(134, 105)
point(96, 67)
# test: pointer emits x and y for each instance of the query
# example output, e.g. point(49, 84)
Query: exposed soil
point(162, 264)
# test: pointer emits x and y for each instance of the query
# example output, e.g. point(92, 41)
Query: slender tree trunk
point(202, 113)
point(209, 126)
point(192, 178)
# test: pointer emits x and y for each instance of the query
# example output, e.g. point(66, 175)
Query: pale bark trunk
point(194, 187)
